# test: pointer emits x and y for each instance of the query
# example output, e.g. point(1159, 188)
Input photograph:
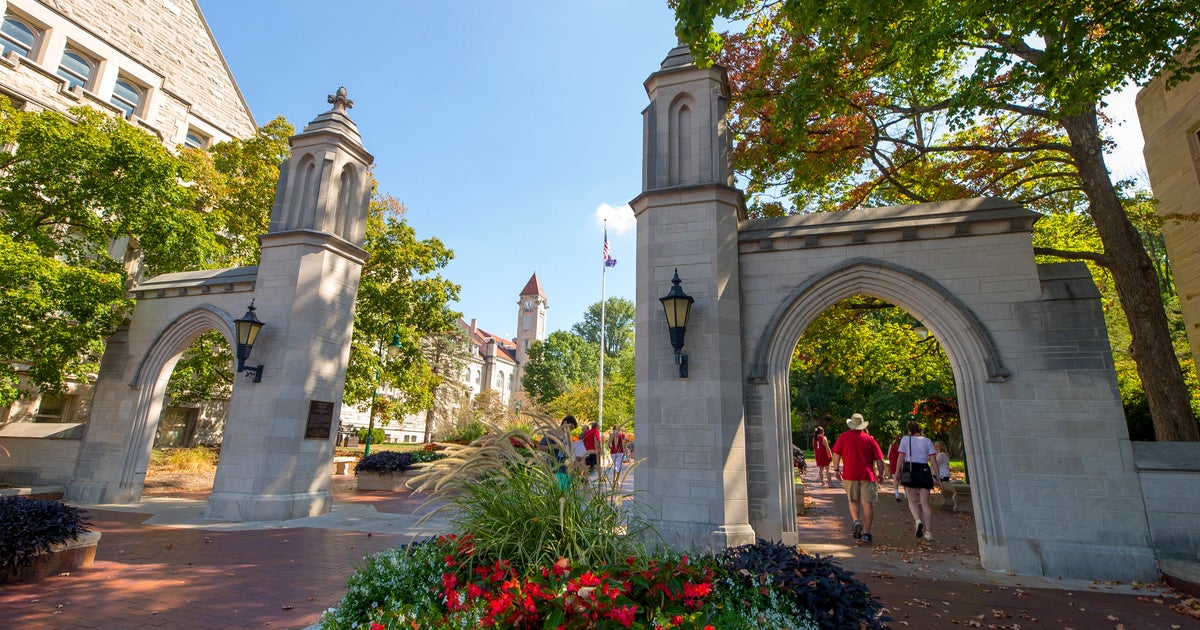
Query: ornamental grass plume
point(508, 492)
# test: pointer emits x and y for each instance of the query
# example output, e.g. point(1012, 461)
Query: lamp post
point(392, 350)
point(247, 329)
point(678, 307)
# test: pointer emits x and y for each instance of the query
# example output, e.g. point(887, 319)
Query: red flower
point(589, 579)
point(692, 591)
point(473, 591)
point(677, 620)
point(379, 626)
point(623, 615)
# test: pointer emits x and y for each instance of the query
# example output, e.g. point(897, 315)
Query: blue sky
point(508, 129)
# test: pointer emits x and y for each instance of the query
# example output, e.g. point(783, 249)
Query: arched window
point(76, 69)
point(195, 139)
point(127, 96)
point(499, 380)
point(19, 36)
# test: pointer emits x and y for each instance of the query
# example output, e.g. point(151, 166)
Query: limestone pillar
point(276, 456)
point(691, 431)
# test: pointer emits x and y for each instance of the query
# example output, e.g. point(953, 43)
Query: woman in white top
point(918, 455)
point(943, 461)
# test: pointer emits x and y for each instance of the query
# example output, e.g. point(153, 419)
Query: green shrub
point(378, 436)
point(385, 462)
point(29, 527)
point(816, 584)
point(465, 433)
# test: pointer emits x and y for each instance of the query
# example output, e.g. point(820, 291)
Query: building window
point(477, 377)
point(499, 380)
point(194, 140)
point(127, 96)
point(18, 36)
point(76, 69)
point(51, 409)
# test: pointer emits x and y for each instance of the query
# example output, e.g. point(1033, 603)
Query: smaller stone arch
point(154, 372)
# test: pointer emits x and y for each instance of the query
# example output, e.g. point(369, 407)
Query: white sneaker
point(928, 536)
point(920, 528)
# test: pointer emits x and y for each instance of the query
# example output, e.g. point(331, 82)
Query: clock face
point(528, 305)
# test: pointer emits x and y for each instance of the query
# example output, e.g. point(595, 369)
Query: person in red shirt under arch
point(863, 461)
point(591, 443)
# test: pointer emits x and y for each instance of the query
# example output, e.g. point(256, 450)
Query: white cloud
point(620, 220)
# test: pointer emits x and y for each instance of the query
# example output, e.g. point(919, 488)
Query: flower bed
point(545, 548)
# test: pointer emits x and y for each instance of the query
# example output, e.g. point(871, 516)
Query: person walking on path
point(616, 450)
point(560, 448)
point(943, 461)
point(591, 445)
point(892, 457)
point(823, 456)
point(918, 455)
point(863, 468)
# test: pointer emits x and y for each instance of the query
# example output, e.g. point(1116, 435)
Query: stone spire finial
point(339, 100)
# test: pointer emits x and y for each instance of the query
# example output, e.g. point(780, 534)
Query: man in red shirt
point(864, 467)
point(591, 442)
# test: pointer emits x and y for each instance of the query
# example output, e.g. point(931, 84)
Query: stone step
point(1181, 575)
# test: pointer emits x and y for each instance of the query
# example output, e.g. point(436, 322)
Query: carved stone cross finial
point(339, 100)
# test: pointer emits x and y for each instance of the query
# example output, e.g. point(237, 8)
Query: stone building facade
point(153, 62)
point(156, 64)
point(1170, 121)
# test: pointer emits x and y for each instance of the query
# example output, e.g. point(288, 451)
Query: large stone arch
point(1054, 486)
point(974, 359)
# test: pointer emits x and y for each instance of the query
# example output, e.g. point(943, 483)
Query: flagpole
point(603, 277)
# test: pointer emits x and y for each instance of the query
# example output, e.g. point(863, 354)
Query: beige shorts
point(864, 491)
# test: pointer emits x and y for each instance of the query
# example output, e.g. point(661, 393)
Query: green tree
point(864, 355)
point(562, 374)
point(554, 364)
point(84, 200)
point(447, 354)
point(619, 314)
point(234, 182)
point(837, 100)
point(400, 294)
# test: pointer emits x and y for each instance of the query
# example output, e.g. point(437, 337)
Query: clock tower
point(531, 319)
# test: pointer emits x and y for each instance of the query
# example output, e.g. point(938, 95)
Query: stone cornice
point(964, 217)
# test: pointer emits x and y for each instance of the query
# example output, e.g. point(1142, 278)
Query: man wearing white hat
point(863, 468)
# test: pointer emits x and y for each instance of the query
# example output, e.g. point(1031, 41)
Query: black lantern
point(247, 332)
point(678, 307)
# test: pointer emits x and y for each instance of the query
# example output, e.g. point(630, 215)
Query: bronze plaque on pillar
point(320, 419)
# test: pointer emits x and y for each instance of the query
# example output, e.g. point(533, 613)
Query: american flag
point(609, 261)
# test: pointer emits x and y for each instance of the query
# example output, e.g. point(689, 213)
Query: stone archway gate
point(1054, 485)
point(277, 450)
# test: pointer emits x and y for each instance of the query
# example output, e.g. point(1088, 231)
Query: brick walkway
point(149, 576)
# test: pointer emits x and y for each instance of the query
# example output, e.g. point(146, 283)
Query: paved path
point(161, 565)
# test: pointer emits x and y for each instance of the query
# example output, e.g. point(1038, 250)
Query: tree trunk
point(1137, 286)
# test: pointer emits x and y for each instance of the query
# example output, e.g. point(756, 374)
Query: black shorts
point(922, 476)
point(591, 460)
